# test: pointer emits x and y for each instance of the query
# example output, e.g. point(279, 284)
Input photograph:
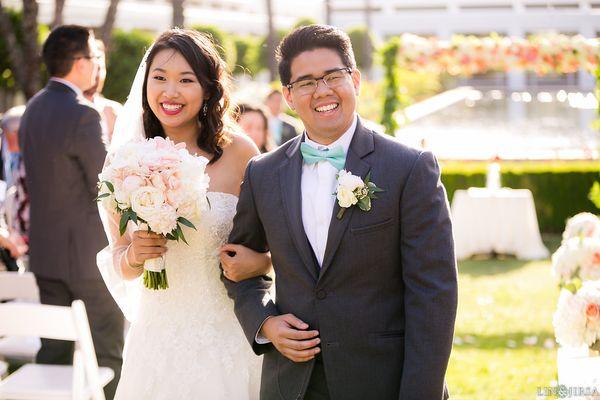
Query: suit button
point(321, 294)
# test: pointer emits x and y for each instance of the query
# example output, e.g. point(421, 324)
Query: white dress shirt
point(318, 186)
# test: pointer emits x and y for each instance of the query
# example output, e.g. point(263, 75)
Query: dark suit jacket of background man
point(384, 300)
point(61, 141)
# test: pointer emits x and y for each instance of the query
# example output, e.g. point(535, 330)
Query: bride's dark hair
point(211, 71)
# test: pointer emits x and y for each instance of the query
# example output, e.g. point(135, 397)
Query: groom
point(365, 304)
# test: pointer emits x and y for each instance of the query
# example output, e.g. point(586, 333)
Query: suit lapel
point(361, 145)
point(290, 174)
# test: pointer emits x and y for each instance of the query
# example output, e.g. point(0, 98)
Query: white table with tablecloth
point(502, 221)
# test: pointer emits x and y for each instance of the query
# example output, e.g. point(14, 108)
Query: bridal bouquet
point(577, 318)
point(159, 186)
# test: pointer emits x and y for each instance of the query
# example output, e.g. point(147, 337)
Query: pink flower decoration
point(592, 312)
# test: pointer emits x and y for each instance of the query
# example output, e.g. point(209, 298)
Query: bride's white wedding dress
point(185, 341)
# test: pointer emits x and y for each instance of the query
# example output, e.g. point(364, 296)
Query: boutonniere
point(352, 190)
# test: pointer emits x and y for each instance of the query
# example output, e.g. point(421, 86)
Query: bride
point(185, 341)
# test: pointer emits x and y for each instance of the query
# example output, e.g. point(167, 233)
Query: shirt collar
point(69, 84)
point(343, 141)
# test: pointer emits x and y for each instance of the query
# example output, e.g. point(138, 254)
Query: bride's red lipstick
point(173, 108)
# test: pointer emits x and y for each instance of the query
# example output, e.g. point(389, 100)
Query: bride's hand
point(144, 246)
point(240, 262)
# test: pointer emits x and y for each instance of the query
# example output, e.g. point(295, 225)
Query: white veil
point(129, 127)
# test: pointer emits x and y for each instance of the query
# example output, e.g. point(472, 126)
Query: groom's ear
point(287, 95)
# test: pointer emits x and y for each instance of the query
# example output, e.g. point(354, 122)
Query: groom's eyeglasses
point(332, 80)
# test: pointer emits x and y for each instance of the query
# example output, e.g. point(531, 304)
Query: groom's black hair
point(313, 37)
point(62, 47)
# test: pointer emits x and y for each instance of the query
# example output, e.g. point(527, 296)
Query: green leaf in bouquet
point(208, 201)
point(596, 345)
point(186, 222)
point(101, 196)
point(133, 216)
point(123, 223)
point(109, 185)
point(181, 236)
point(170, 236)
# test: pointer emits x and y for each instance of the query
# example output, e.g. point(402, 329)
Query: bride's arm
point(130, 250)
point(240, 263)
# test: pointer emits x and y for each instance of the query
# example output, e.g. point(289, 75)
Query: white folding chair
point(83, 380)
point(19, 287)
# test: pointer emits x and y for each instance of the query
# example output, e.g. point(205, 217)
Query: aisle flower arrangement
point(470, 55)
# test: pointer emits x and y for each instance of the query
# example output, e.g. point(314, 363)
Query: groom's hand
point(290, 337)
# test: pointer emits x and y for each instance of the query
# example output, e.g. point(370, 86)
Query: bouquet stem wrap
point(155, 274)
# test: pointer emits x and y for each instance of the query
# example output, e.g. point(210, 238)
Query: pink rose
point(592, 312)
point(132, 182)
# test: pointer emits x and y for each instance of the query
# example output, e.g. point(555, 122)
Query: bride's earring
point(205, 109)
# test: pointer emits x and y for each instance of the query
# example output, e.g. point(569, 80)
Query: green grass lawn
point(504, 342)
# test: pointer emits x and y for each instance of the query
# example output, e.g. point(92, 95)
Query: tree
point(362, 45)
point(328, 12)
point(123, 60)
point(304, 22)
point(109, 23)
point(271, 41)
point(247, 51)
point(392, 100)
point(266, 55)
point(178, 17)
point(223, 42)
point(23, 56)
point(59, 6)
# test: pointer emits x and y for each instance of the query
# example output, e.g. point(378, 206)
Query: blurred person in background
point(108, 109)
point(254, 122)
point(13, 196)
point(281, 125)
point(62, 146)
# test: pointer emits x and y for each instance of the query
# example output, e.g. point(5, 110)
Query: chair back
point(18, 285)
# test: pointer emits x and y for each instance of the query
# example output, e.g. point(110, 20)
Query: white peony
point(589, 258)
point(577, 320)
point(566, 259)
point(146, 200)
point(569, 320)
point(162, 220)
point(348, 181)
point(346, 197)
point(582, 225)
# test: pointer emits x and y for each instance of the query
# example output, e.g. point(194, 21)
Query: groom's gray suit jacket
point(384, 300)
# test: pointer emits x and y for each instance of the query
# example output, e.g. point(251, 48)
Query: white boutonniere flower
point(352, 190)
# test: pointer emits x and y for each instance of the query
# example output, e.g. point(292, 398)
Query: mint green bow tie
point(334, 156)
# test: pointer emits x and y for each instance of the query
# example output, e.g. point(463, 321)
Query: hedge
point(560, 189)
